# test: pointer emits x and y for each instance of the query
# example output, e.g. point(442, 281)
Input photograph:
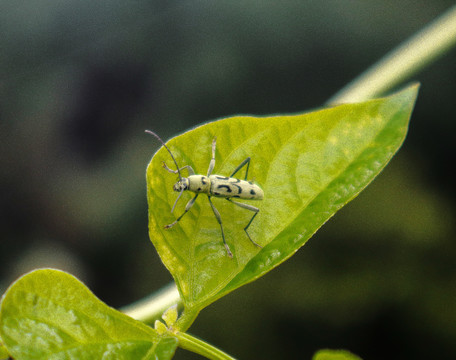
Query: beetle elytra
point(215, 186)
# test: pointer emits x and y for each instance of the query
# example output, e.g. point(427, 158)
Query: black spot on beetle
point(203, 181)
point(228, 189)
point(216, 193)
point(252, 192)
point(251, 183)
point(239, 188)
point(199, 189)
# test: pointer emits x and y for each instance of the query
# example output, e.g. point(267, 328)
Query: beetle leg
point(251, 208)
point(219, 219)
point(188, 167)
point(187, 208)
point(212, 163)
point(246, 161)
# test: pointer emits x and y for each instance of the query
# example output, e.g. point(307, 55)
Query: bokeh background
point(81, 80)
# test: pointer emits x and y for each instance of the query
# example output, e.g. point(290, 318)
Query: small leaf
point(334, 355)
point(160, 327)
point(49, 314)
point(309, 166)
point(170, 315)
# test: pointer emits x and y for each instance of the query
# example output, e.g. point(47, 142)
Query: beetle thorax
point(199, 184)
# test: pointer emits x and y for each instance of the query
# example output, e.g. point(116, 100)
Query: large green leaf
point(3, 352)
point(49, 314)
point(309, 166)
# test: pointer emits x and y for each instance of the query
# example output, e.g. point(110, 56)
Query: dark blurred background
point(81, 80)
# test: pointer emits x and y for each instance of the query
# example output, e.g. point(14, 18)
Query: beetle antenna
point(180, 194)
point(163, 143)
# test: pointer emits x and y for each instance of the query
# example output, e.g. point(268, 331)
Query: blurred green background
point(81, 80)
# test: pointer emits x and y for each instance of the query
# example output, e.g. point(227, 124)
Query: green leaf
point(170, 315)
point(309, 166)
point(3, 352)
point(334, 355)
point(49, 314)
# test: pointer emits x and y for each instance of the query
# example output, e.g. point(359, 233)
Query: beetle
point(226, 187)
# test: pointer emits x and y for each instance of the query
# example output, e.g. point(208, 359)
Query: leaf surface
point(49, 314)
point(3, 352)
point(309, 166)
point(327, 354)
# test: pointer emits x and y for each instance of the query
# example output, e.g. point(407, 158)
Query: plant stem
point(152, 307)
point(198, 346)
point(185, 320)
point(400, 64)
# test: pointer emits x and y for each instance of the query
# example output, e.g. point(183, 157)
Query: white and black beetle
point(217, 186)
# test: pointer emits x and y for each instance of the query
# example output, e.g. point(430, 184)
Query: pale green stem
point(186, 320)
point(152, 307)
point(403, 62)
point(198, 346)
point(398, 66)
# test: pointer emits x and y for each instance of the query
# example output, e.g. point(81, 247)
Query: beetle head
point(181, 185)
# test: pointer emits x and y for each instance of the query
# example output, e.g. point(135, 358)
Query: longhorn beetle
point(217, 186)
